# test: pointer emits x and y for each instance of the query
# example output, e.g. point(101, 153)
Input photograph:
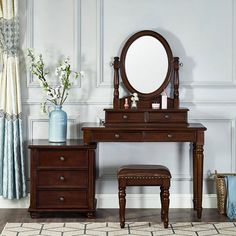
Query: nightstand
point(62, 177)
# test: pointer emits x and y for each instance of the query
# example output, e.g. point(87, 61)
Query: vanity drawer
point(62, 199)
point(125, 117)
point(117, 136)
point(62, 158)
point(167, 117)
point(58, 178)
point(169, 136)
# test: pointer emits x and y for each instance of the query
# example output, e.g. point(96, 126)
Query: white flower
point(56, 95)
point(135, 97)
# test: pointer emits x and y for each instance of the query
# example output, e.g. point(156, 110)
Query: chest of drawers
point(62, 177)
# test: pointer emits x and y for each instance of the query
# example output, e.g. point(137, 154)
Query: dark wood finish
point(144, 175)
point(146, 117)
point(116, 65)
point(124, 51)
point(193, 133)
point(145, 124)
point(62, 177)
point(176, 82)
point(146, 99)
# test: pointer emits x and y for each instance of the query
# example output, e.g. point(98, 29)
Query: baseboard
point(132, 201)
point(153, 201)
point(21, 203)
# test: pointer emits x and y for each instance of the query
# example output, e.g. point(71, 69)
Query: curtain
point(12, 159)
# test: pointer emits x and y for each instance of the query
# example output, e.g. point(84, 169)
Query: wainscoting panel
point(38, 127)
point(91, 33)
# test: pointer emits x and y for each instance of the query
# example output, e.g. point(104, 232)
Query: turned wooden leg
point(199, 164)
point(162, 210)
point(122, 202)
point(165, 206)
point(194, 177)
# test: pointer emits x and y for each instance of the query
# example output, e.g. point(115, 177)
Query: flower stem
point(62, 96)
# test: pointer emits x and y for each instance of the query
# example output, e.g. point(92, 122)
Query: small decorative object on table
point(155, 105)
point(164, 100)
point(134, 100)
point(55, 96)
point(126, 105)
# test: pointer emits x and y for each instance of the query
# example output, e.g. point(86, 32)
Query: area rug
point(111, 229)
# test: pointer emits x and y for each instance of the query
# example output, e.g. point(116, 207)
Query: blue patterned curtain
point(12, 167)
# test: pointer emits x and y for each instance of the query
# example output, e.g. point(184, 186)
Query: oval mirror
point(145, 63)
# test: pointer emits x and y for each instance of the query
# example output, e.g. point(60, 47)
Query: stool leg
point(165, 205)
point(122, 202)
point(162, 210)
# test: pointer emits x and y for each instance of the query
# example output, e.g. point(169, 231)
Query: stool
point(144, 175)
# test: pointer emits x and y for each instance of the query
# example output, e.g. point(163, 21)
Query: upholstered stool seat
point(144, 175)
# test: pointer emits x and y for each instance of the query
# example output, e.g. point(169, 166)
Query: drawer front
point(117, 136)
point(169, 136)
point(167, 117)
point(124, 117)
point(56, 178)
point(62, 199)
point(62, 158)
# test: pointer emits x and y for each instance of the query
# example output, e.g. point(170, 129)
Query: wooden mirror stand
point(145, 115)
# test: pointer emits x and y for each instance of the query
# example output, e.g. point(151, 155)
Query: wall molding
point(232, 122)
point(109, 103)
point(30, 28)
point(101, 82)
point(74, 120)
point(100, 46)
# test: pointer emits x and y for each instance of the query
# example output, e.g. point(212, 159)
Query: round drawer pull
point(125, 117)
point(117, 135)
point(61, 199)
point(62, 178)
point(169, 135)
point(62, 158)
point(167, 116)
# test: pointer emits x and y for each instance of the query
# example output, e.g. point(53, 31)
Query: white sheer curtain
point(12, 168)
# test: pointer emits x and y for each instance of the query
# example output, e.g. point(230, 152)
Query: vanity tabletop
point(97, 126)
point(173, 110)
point(72, 143)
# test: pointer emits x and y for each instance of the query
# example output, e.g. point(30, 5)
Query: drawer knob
point(61, 199)
point(117, 135)
point(169, 135)
point(167, 116)
point(125, 117)
point(62, 178)
point(62, 158)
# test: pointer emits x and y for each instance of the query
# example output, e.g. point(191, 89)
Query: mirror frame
point(124, 51)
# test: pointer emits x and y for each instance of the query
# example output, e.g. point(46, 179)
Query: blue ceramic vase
point(57, 125)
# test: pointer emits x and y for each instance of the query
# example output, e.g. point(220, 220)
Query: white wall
point(91, 32)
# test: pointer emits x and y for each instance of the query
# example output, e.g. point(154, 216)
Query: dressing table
point(148, 68)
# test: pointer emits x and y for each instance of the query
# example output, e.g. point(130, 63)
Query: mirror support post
point(176, 82)
point(116, 66)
